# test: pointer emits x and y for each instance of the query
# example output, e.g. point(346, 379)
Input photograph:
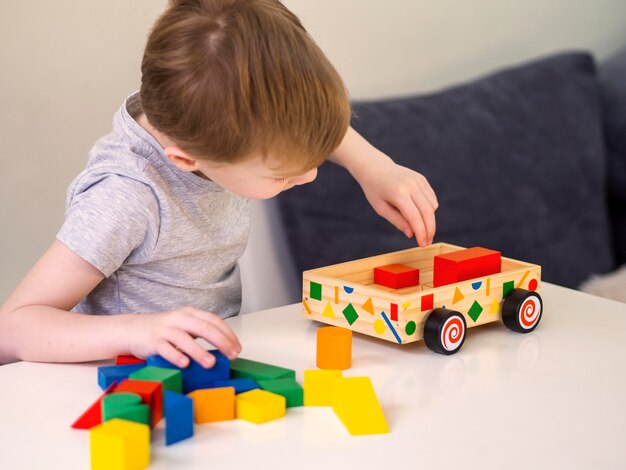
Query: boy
point(236, 102)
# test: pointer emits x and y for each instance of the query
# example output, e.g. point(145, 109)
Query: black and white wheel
point(521, 310)
point(444, 331)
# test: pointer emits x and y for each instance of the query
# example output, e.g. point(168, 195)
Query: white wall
point(65, 68)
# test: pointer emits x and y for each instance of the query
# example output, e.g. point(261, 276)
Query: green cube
point(171, 379)
point(241, 367)
point(288, 388)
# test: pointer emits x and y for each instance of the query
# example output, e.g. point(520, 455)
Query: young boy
point(236, 102)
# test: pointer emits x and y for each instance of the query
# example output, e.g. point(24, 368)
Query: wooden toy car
point(438, 309)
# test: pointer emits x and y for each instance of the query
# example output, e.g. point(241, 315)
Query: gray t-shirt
point(164, 238)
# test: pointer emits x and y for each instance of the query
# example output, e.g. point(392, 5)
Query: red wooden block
point(93, 416)
point(465, 264)
point(123, 360)
point(396, 276)
point(151, 393)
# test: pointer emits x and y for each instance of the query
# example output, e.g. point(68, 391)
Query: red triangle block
point(93, 416)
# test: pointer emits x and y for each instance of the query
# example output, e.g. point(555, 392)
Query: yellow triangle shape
point(458, 296)
point(328, 311)
point(368, 306)
point(495, 306)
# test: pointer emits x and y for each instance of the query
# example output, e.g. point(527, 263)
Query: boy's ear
point(180, 159)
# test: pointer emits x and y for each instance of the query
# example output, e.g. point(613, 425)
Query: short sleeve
point(111, 221)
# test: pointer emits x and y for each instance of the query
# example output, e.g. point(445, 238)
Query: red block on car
point(396, 276)
point(465, 264)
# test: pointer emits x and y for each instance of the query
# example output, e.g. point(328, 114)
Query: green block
point(507, 288)
point(475, 311)
point(241, 367)
point(316, 290)
point(350, 313)
point(172, 379)
point(288, 388)
point(126, 406)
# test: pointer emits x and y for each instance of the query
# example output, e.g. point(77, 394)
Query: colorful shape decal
point(475, 311)
point(427, 301)
point(507, 287)
point(488, 286)
point(329, 312)
point(521, 281)
point(316, 290)
point(406, 305)
point(336, 294)
point(348, 290)
point(398, 339)
point(410, 328)
point(368, 306)
point(495, 306)
point(458, 296)
point(532, 285)
point(350, 313)
point(306, 306)
point(379, 326)
point(394, 312)
point(476, 285)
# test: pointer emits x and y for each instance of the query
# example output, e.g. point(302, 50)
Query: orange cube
point(213, 404)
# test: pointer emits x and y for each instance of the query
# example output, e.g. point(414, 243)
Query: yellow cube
point(260, 406)
point(355, 404)
point(118, 444)
point(317, 386)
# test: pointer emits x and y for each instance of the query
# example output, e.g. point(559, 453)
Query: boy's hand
point(402, 196)
point(171, 334)
point(399, 194)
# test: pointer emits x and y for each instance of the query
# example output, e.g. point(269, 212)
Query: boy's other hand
point(172, 335)
point(402, 196)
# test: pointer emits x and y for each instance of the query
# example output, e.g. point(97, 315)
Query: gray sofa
point(530, 161)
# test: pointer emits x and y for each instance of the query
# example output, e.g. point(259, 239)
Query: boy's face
point(254, 178)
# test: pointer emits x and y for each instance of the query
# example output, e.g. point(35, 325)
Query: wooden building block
point(213, 404)
point(195, 376)
point(93, 415)
point(109, 374)
point(243, 384)
point(120, 445)
point(260, 406)
point(171, 379)
point(125, 405)
point(128, 359)
point(396, 276)
point(334, 348)
point(288, 388)
point(241, 367)
point(355, 404)
point(466, 264)
point(178, 417)
point(151, 394)
point(318, 386)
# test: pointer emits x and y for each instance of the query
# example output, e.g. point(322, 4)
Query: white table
point(554, 399)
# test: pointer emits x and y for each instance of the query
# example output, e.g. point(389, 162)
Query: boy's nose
point(305, 178)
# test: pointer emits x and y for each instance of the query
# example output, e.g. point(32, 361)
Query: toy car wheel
point(521, 310)
point(444, 331)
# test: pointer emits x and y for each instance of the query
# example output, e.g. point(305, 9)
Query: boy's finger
point(427, 214)
point(185, 343)
point(214, 335)
point(171, 354)
point(411, 213)
point(218, 323)
point(394, 217)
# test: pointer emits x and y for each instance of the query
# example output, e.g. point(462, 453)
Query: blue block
point(178, 411)
point(241, 385)
point(109, 374)
point(194, 375)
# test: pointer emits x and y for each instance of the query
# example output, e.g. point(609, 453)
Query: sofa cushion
point(613, 81)
point(516, 159)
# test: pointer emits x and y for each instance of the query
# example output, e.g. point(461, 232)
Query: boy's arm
point(399, 194)
point(36, 325)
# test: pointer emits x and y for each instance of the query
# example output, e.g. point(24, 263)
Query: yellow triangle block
point(328, 311)
point(495, 306)
point(368, 306)
point(458, 296)
point(355, 404)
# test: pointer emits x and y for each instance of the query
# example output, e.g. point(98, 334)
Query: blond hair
point(227, 78)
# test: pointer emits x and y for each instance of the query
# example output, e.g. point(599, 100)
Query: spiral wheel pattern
point(452, 333)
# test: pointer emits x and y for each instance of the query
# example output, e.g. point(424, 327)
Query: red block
point(93, 416)
point(123, 360)
point(465, 264)
point(151, 393)
point(396, 276)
